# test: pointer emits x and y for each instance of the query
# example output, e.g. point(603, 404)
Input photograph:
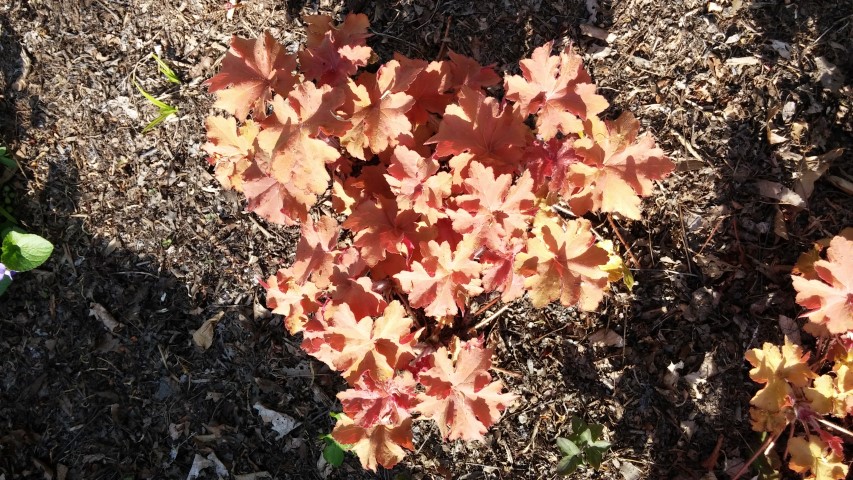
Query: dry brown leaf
point(781, 193)
point(98, 311)
point(203, 337)
point(606, 337)
point(812, 168)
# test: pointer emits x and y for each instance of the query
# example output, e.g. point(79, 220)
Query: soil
point(146, 238)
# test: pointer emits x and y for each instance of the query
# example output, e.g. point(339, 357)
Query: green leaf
point(24, 251)
point(568, 465)
point(568, 447)
point(596, 430)
point(165, 110)
point(333, 452)
point(594, 457)
point(600, 444)
point(165, 70)
point(586, 437)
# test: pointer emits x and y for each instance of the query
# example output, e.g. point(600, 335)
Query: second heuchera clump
point(417, 192)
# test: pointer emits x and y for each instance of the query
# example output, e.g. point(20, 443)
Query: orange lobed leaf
point(380, 228)
point(231, 149)
point(499, 272)
point(332, 54)
point(442, 282)
point(356, 346)
point(347, 286)
point(386, 402)
point(478, 128)
point(493, 209)
point(563, 263)
point(378, 111)
point(557, 89)
point(549, 163)
point(778, 369)
point(813, 458)
point(294, 301)
point(429, 88)
point(460, 395)
point(252, 71)
point(380, 444)
point(829, 296)
point(316, 252)
point(417, 183)
point(467, 72)
point(618, 168)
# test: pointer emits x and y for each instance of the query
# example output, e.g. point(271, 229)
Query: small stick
point(624, 243)
point(684, 240)
point(711, 235)
point(764, 446)
point(491, 317)
point(443, 49)
point(836, 427)
point(487, 306)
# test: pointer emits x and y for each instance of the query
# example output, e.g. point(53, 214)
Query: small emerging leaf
point(166, 70)
point(333, 452)
point(568, 447)
point(568, 465)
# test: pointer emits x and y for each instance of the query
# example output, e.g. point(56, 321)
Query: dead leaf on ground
point(203, 337)
point(98, 311)
point(606, 338)
point(791, 329)
point(779, 192)
point(281, 424)
point(812, 168)
point(707, 370)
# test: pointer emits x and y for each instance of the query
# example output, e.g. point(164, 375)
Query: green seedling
point(20, 252)
point(165, 110)
point(334, 452)
point(584, 446)
point(166, 70)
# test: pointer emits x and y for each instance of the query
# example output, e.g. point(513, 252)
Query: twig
point(836, 427)
point(624, 243)
point(764, 446)
point(443, 49)
point(491, 317)
point(684, 240)
point(711, 235)
point(487, 306)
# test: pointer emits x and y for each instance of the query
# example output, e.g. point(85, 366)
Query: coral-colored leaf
point(331, 54)
point(429, 88)
point(417, 183)
point(813, 458)
point(378, 346)
point(467, 72)
point(381, 444)
point(557, 89)
point(231, 149)
point(388, 402)
point(252, 71)
point(460, 395)
point(493, 209)
point(380, 229)
point(378, 116)
point(829, 297)
point(618, 167)
point(484, 130)
point(316, 251)
point(442, 283)
point(285, 296)
point(499, 272)
point(563, 264)
point(549, 164)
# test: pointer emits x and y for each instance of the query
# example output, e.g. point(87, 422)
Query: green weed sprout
point(584, 446)
point(165, 110)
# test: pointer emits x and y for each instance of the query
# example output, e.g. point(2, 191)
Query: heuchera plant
point(418, 193)
point(799, 392)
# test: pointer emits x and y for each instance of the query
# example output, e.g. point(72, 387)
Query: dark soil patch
point(142, 230)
